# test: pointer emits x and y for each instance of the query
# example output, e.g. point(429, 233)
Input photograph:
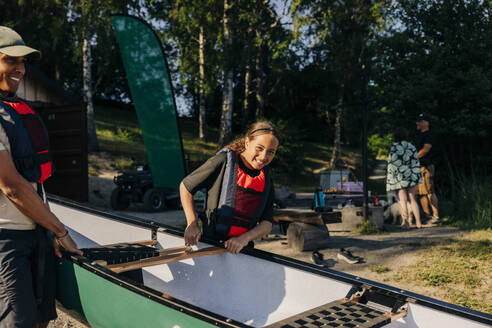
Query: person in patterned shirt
point(403, 174)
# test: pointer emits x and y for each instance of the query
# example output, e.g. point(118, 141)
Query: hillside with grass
point(119, 135)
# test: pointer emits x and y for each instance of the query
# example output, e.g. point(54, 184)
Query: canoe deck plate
point(341, 313)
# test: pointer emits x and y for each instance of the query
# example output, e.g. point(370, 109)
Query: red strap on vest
point(38, 136)
point(20, 107)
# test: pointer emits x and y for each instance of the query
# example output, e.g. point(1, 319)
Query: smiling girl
point(240, 194)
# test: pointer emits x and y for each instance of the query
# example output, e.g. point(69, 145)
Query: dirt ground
point(390, 250)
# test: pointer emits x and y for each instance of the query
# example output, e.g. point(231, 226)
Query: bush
point(380, 146)
point(367, 228)
point(289, 157)
point(472, 204)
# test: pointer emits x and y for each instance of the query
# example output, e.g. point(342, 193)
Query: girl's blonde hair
point(256, 129)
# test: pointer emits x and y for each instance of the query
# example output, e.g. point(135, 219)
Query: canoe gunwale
point(355, 281)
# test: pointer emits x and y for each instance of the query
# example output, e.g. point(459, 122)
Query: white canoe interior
point(245, 288)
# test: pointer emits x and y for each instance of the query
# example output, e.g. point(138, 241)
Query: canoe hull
point(251, 289)
point(109, 304)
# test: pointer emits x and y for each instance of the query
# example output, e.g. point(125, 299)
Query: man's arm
point(26, 199)
point(424, 150)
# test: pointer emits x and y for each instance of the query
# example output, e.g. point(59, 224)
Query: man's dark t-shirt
point(427, 137)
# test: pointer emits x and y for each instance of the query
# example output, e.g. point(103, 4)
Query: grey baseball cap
point(11, 44)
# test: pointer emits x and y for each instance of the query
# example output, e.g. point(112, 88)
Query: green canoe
point(120, 282)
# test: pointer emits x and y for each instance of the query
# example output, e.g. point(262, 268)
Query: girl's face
point(259, 151)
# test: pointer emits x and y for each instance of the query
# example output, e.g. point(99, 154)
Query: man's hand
point(235, 244)
point(67, 243)
point(192, 233)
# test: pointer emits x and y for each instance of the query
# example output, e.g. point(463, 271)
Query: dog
point(393, 214)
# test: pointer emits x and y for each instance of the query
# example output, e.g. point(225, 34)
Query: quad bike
point(137, 187)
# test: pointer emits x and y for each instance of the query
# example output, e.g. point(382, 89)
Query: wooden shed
point(66, 124)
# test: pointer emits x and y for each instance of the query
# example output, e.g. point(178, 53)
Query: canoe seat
point(123, 257)
point(119, 253)
point(341, 313)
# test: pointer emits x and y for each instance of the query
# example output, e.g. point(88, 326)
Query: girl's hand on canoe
point(236, 244)
point(192, 233)
point(67, 243)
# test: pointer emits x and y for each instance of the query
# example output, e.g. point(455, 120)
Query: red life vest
point(28, 137)
point(249, 191)
point(242, 198)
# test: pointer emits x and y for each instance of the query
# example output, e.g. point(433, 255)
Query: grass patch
point(367, 228)
point(470, 205)
point(461, 266)
point(379, 268)
point(123, 164)
point(119, 134)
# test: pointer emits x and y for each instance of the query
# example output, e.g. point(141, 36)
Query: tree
point(44, 26)
point(191, 35)
point(93, 34)
point(227, 92)
point(340, 31)
point(438, 60)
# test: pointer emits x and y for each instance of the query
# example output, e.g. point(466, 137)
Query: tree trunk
point(92, 144)
point(307, 237)
point(202, 111)
point(338, 131)
point(247, 81)
point(260, 102)
point(227, 92)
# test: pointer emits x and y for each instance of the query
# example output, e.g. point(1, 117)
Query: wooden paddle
point(167, 256)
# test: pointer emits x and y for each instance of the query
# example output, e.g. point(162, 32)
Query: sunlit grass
point(379, 268)
point(366, 227)
point(461, 266)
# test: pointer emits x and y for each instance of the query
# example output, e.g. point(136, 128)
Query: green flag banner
point(152, 94)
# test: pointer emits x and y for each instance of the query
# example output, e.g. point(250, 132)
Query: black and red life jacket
point(28, 137)
point(242, 198)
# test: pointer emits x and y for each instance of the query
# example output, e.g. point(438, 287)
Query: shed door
point(68, 139)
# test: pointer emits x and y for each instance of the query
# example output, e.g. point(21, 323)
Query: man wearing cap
point(27, 279)
point(426, 143)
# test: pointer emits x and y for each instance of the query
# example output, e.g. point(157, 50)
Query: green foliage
point(437, 60)
point(457, 262)
point(435, 278)
point(126, 134)
point(457, 266)
point(366, 227)
point(123, 164)
point(471, 206)
point(379, 268)
point(379, 145)
point(288, 160)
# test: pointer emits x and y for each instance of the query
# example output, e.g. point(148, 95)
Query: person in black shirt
point(426, 143)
